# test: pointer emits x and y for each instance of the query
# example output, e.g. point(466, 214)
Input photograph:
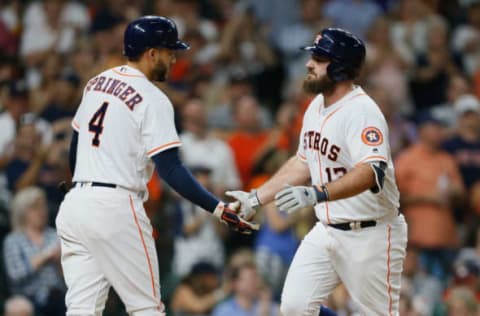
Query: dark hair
point(195, 280)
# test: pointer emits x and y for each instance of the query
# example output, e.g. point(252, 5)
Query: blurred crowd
point(238, 108)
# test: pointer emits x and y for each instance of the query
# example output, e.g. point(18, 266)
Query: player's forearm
point(356, 181)
point(293, 172)
point(170, 169)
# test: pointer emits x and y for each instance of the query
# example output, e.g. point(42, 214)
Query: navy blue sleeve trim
point(172, 170)
point(72, 156)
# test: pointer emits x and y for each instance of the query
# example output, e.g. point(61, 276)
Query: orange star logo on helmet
point(372, 136)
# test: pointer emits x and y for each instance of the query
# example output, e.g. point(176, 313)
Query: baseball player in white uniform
point(123, 127)
point(360, 237)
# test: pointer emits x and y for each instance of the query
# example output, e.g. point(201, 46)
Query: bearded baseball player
point(124, 127)
point(360, 237)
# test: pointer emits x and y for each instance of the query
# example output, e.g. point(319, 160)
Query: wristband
point(322, 195)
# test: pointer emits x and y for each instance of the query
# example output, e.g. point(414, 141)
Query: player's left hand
point(227, 214)
point(294, 198)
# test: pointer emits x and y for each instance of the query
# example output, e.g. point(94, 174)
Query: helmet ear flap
point(337, 72)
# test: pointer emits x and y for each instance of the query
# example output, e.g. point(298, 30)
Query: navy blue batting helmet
point(345, 51)
point(151, 32)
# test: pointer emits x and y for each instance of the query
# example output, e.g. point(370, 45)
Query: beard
point(322, 85)
point(160, 72)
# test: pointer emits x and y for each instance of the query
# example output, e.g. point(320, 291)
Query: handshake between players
point(239, 214)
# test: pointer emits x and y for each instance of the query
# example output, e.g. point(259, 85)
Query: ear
point(151, 53)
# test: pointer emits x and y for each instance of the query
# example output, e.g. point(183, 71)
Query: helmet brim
point(179, 45)
point(315, 50)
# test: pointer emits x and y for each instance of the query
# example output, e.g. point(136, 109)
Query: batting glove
point(249, 203)
point(226, 214)
point(294, 198)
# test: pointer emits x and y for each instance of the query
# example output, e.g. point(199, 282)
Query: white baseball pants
point(106, 240)
point(369, 262)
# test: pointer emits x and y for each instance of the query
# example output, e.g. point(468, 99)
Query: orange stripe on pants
point(144, 246)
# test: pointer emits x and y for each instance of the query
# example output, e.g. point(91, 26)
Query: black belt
point(353, 225)
point(95, 184)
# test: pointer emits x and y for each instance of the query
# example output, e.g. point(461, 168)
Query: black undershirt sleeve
point(171, 169)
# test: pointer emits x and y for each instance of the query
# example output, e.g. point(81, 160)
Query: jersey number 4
point(95, 125)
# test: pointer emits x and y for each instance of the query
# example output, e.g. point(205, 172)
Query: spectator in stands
point(249, 298)
point(423, 290)
point(433, 68)
point(402, 132)
point(198, 292)
point(32, 254)
point(43, 88)
point(293, 36)
point(430, 183)
point(275, 247)
point(249, 142)
point(35, 163)
point(242, 256)
point(8, 33)
point(466, 37)
point(462, 302)
point(51, 26)
point(18, 306)
point(107, 32)
point(199, 237)
point(221, 117)
point(187, 16)
point(385, 67)
point(458, 85)
point(17, 113)
point(276, 241)
point(198, 144)
point(354, 15)
point(409, 31)
point(16, 105)
point(465, 143)
point(63, 105)
point(28, 157)
point(466, 267)
point(271, 15)
point(243, 47)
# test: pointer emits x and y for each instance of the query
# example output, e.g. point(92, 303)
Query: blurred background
point(239, 105)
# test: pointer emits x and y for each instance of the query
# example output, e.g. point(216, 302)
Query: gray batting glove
point(294, 198)
point(249, 203)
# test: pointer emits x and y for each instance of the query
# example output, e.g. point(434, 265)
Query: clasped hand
point(227, 214)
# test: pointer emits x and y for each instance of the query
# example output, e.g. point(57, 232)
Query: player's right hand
point(247, 210)
point(226, 214)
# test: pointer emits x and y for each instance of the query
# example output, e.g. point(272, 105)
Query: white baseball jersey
point(123, 120)
point(337, 138)
point(105, 234)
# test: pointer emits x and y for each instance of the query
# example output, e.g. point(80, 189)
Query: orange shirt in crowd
point(246, 147)
point(423, 173)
